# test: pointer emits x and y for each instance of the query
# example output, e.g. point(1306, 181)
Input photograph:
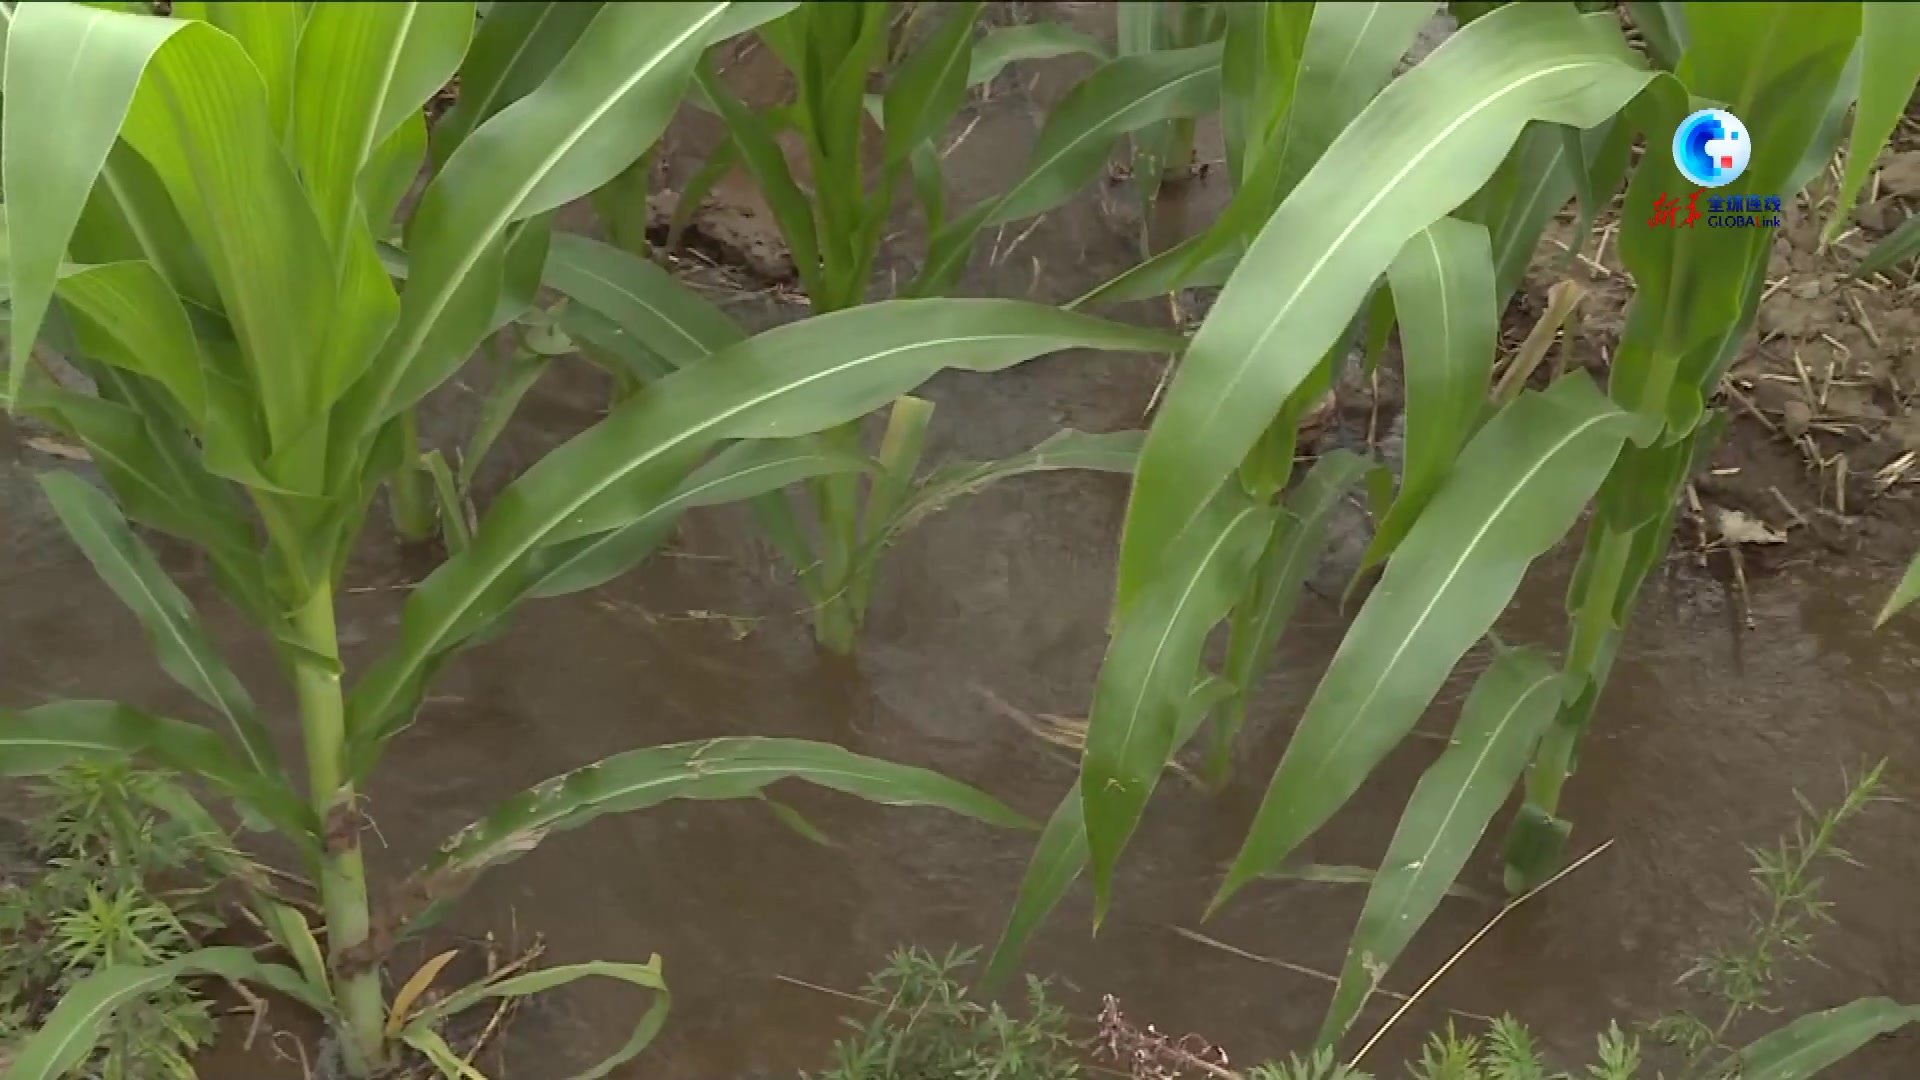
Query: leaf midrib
point(1446, 582)
point(1252, 353)
point(1160, 647)
point(1460, 792)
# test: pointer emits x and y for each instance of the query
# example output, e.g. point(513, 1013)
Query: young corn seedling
point(197, 234)
point(1487, 487)
point(833, 199)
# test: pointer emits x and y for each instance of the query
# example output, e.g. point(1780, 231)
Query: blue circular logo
point(1712, 148)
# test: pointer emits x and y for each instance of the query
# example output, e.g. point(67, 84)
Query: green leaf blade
point(1443, 298)
point(1447, 124)
point(1150, 668)
point(182, 645)
point(1817, 1040)
point(640, 298)
point(69, 1032)
point(1511, 704)
point(1515, 491)
point(726, 768)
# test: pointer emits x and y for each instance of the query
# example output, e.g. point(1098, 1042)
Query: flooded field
point(1723, 703)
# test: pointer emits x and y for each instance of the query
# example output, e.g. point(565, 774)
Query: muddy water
point(1704, 733)
point(1706, 730)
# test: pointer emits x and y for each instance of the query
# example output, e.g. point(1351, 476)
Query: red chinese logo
point(1665, 207)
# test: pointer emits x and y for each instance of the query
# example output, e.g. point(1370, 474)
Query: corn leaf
point(742, 471)
point(155, 476)
point(218, 158)
point(1445, 126)
point(1889, 70)
point(1903, 594)
point(1005, 45)
point(640, 298)
point(124, 314)
point(601, 107)
point(518, 44)
point(1292, 552)
point(1817, 1040)
point(792, 380)
point(363, 72)
point(53, 736)
point(1061, 852)
point(1111, 452)
point(185, 651)
point(927, 90)
point(1664, 25)
point(70, 1031)
point(1443, 297)
point(1150, 669)
point(1896, 247)
point(726, 768)
point(1516, 489)
point(1512, 702)
point(1123, 95)
point(646, 976)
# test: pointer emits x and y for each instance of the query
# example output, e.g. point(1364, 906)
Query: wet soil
point(1708, 727)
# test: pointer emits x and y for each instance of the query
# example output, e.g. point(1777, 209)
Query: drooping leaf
point(1446, 125)
point(1112, 452)
point(183, 647)
point(793, 380)
point(1150, 669)
point(1443, 298)
point(1123, 95)
point(742, 471)
point(70, 1030)
point(1513, 493)
point(1061, 853)
point(1004, 45)
point(646, 976)
point(218, 160)
point(1815, 1041)
point(64, 158)
point(640, 298)
point(1512, 702)
point(40, 740)
point(124, 314)
point(727, 768)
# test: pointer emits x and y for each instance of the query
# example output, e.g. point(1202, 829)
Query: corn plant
point(1488, 486)
point(833, 222)
point(1163, 151)
point(194, 203)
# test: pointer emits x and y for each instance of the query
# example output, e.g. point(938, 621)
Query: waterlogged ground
point(1721, 705)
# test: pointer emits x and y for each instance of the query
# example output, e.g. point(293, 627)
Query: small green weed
point(928, 1028)
point(127, 857)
